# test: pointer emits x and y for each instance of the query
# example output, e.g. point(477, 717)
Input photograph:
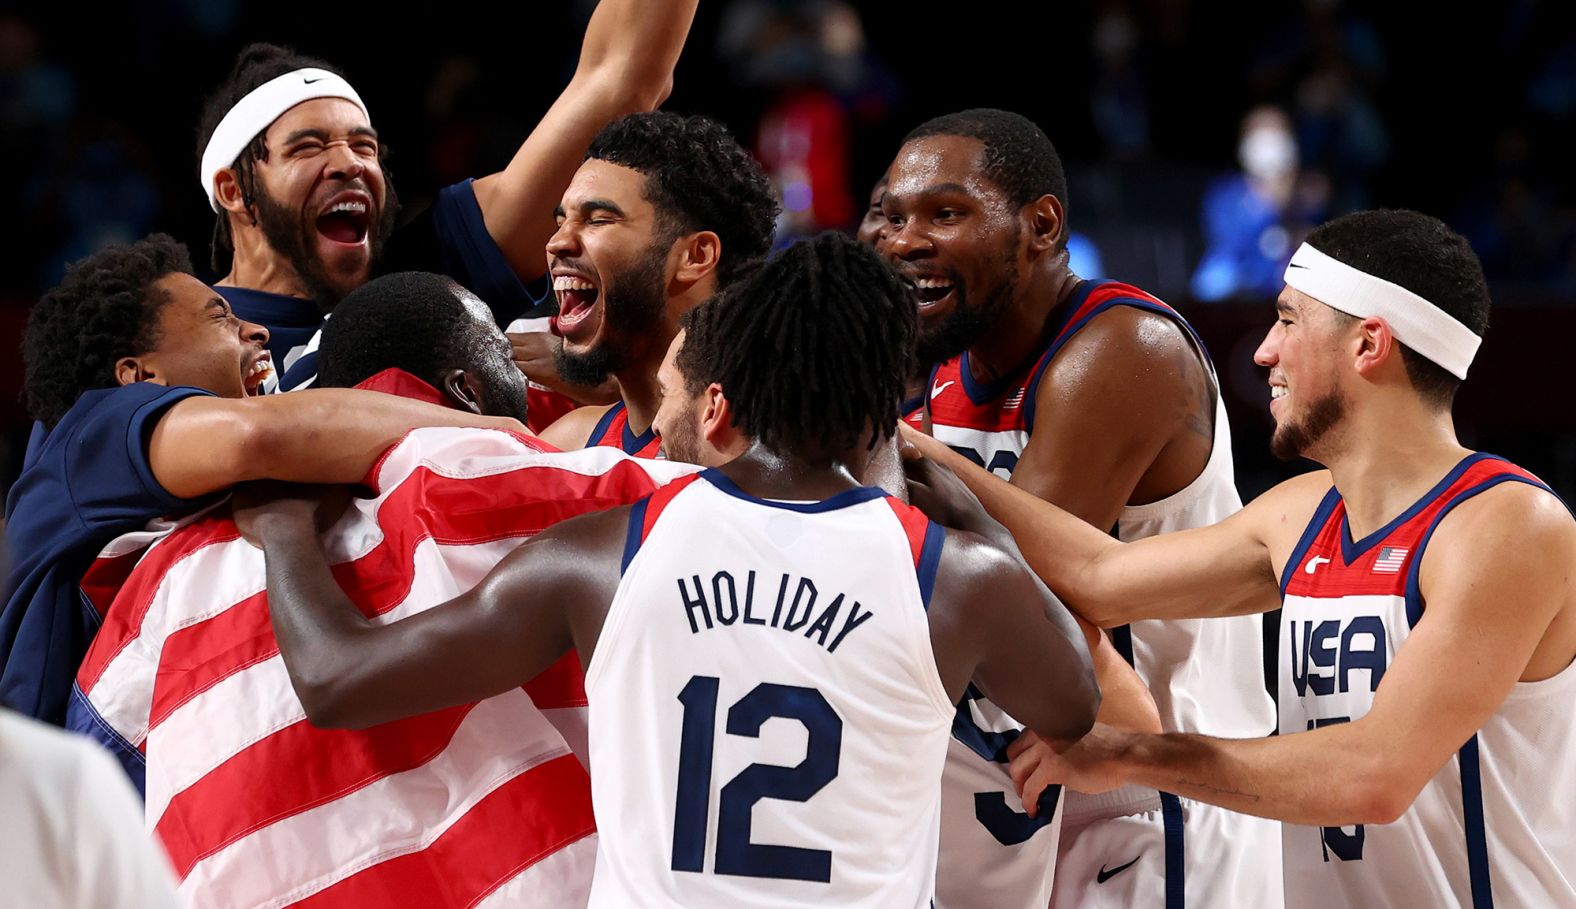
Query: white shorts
point(1187, 854)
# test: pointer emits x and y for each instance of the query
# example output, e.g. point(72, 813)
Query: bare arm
point(324, 435)
point(626, 65)
point(531, 608)
point(991, 621)
point(1228, 568)
point(1511, 545)
point(570, 431)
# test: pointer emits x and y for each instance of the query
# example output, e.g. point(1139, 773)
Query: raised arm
point(541, 600)
point(626, 65)
point(328, 435)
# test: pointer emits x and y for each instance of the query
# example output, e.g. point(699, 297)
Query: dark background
point(1465, 113)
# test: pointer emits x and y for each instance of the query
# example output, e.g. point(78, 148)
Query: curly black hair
point(256, 64)
point(104, 309)
point(1423, 255)
point(812, 348)
point(698, 177)
point(1019, 158)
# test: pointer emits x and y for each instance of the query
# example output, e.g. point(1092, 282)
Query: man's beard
point(682, 443)
point(289, 235)
point(1293, 439)
point(967, 323)
point(631, 312)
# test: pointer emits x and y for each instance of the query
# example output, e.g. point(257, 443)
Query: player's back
point(768, 725)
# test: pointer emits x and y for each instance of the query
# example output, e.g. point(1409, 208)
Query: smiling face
point(953, 235)
point(201, 343)
point(322, 198)
point(609, 263)
point(1302, 353)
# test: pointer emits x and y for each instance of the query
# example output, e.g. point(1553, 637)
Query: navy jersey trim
point(633, 444)
point(842, 500)
point(139, 429)
point(1122, 640)
point(909, 406)
point(1476, 834)
point(634, 536)
point(1309, 534)
point(1351, 551)
point(929, 561)
point(1414, 594)
point(1176, 860)
point(600, 430)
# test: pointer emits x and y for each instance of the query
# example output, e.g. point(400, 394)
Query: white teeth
point(931, 283)
point(359, 208)
point(261, 367)
point(569, 282)
point(1277, 391)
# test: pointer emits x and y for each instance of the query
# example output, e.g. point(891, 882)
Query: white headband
point(261, 107)
point(1416, 322)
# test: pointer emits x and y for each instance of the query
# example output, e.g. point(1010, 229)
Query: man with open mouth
point(1096, 396)
point(146, 388)
point(665, 212)
point(293, 169)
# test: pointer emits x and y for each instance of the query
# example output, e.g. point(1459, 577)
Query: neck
point(256, 266)
point(1389, 459)
point(769, 474)
point(1020, 330)
point(637, 384)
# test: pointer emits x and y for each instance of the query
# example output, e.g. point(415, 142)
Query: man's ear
point(460, 388)
point(133, 369)
point(697, 257)
point(1047, 223)
point(227, 190)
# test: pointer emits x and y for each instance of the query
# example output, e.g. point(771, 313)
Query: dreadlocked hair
point(811, 348)
point(104, 309)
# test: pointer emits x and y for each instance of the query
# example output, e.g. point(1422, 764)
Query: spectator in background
point(1254, 219)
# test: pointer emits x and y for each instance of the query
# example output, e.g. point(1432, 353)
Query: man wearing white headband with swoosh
point(292, 166)
point(1429, 608)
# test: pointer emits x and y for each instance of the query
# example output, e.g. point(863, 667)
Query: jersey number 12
point(735, 853)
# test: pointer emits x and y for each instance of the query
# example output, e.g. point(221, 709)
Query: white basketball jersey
point(1206, 674)
point(767, 722)
point(1496, 826)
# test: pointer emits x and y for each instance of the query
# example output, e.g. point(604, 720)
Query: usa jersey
point(1206, 674)
point(767, 722)
point(612, 431)
point(1497, 824)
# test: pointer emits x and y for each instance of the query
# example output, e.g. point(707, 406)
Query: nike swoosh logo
point(1295, 265)
point(939, 389)
point(310, 81)
point(1105, 875)
point(1314, 563)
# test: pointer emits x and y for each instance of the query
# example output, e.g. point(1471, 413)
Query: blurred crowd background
point(1202, 140)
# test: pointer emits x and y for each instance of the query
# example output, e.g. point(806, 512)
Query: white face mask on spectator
point(1266, 153)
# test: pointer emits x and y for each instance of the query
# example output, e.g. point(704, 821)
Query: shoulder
point(1128, 339)
point(972, 569)
point(1508, 517)
point(1280, 514)
point(573, 429)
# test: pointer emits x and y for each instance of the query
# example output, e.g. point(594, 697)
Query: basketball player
point(809, 604)
point(293, 168)
point(1098, 397)
point(144, 385)
point(665, 211)
point(1429, 619)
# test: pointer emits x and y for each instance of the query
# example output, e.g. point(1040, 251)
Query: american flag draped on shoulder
point(483, 804)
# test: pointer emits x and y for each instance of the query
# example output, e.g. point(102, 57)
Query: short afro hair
point(1019, 158)
point(812, 348)
point(105, 308)
point(409, 320)
point(698, 177)
point(1423, 255)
